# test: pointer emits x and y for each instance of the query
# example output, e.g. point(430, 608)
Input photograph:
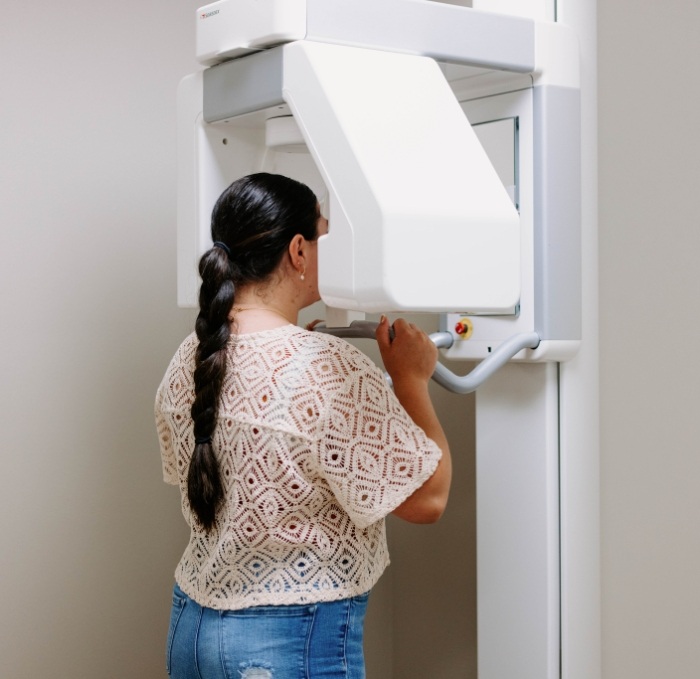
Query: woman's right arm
point(410, 360)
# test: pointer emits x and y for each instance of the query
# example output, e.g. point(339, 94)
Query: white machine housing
point(419, 218)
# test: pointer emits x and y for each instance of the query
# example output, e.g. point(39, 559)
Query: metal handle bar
point(459, 384)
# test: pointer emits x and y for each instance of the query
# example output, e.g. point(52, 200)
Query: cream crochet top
point(314, 451)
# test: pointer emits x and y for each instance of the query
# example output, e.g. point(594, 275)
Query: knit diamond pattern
point(314, 451)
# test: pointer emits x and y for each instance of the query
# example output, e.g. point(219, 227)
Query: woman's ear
point(296, 252)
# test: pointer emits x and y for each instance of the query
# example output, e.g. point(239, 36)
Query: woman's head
point(257, 217)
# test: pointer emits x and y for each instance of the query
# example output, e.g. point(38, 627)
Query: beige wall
point(650, 367)
point(90, 534)
point(87, 276)
point(87, 273)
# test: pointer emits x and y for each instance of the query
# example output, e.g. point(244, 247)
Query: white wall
point(650, 367)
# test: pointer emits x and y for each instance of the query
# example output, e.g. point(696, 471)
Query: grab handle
point(458, 384)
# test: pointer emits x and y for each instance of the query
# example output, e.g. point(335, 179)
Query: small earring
point(302, 275)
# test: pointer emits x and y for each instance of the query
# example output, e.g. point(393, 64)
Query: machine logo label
point(206, 15)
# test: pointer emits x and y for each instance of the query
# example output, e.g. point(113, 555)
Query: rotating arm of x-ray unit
point(458, 384)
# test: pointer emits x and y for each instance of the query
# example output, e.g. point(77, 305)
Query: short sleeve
point(372, 455)
point(167, 452)
point(173, 404)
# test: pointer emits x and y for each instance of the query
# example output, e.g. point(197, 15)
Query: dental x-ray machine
point(444, 143)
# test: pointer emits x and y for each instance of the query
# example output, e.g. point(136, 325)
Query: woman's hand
point(310, 326)
point(410, 355)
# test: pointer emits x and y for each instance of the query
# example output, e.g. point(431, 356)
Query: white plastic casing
point(228, 29)
point(419, 219)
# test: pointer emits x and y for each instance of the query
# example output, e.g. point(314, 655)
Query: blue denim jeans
point(307, 641)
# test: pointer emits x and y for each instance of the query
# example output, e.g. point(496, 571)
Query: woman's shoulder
point(352, 368)
point(185, 353)
point(335, 349)
point(178, 377)
point(300, 338)
point(316, 353)
point(312, 350)
point(182, 363)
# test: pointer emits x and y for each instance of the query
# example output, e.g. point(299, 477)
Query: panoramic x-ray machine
point(444, 145)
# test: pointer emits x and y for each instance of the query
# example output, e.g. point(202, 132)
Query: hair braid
point(204, 488)
point(254, 220)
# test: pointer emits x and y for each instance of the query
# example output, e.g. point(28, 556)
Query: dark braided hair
point(256, 217)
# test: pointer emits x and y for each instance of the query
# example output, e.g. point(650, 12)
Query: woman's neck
point(252, 313)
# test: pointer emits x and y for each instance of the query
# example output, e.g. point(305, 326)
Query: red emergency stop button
point(464, 328)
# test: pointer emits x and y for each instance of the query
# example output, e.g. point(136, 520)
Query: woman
point(289, 449)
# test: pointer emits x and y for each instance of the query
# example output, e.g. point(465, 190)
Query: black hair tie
point(223, 246)
point(202, 439)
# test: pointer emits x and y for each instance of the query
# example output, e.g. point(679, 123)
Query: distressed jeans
point(306, 641)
